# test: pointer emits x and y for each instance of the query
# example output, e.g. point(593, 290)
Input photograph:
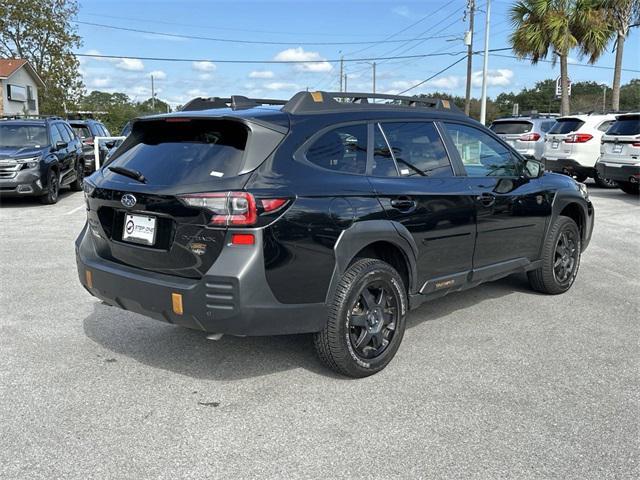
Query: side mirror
point(110, 144)
point(533, 168)
point(60, 145)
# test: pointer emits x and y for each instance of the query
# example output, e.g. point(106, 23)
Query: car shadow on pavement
point(614, 194)
point(21, 202)
point(189, 353)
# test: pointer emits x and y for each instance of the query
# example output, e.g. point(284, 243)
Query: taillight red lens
point(530, 137)
point(228, 208)
point(272, 204)
point(88, 141)
point(243, 239)
point(578, 138)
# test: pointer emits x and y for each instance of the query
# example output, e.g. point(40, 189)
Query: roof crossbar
point(235, 102)
point(312, 102)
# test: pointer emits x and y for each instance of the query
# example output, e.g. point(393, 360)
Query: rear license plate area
point(139, 229)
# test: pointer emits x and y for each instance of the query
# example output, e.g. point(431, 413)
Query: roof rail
point(313, 102)
point(30, 117)
point(236, 102)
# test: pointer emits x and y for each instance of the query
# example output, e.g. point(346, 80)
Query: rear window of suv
point(184, 152)
point(511, 128)
point(625, 126)
point(566, 125)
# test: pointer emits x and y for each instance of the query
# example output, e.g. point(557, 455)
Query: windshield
point(185, 152)
point(625, 126)
point(506, 128)
point(566, 125)
point(17, 136)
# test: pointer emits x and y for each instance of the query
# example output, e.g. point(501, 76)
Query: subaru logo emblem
point(128, 200)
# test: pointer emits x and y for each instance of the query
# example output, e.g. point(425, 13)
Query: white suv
point(572, 146)
point(620, 153)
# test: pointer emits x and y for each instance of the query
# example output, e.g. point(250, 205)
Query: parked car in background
point(87, 130)
point(525, 133)
point(620, 153)
point(126, 130)
point(323, 214)
point(572, 146)
point(38, 157)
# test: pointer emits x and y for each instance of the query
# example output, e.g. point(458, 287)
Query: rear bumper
point(567, 166)
point(232, 298)
point(25, 183)
point(619, 172)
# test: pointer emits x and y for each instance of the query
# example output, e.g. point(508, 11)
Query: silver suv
point(620, 153)
point(525, 134)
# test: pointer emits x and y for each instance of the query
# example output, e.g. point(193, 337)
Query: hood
point(20, 152)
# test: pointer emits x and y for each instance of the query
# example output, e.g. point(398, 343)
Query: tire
point(605, 182)
point(76, 185)
point(560, 258)
point(366, 320)
point(580, 177)
point(53, 189)
point(630, 188)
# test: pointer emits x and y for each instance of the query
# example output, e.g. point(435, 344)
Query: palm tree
point(621, 14)
point(544, 27)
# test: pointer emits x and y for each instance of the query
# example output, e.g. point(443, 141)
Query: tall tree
point(621, 14)
point(41, 32)
point(555, 27)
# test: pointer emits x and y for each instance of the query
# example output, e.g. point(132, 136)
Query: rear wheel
point(76, 186)
point(580, 177)
point(560, 258)
point(53, 188)
point(630, 188)
point(366, 320)
point(605, 182)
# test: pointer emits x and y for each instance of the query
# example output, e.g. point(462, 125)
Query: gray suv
point(525, 134)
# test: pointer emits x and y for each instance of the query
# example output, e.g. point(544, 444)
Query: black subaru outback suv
point(325, 214)
point(38, 157)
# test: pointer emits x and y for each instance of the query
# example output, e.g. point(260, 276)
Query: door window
point(481, 154)
point(63, 133)
point(343, 149)
point(417, 149)
point(55, 135)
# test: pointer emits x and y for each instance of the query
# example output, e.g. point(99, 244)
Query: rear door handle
point(403, 203)
point(486, 199)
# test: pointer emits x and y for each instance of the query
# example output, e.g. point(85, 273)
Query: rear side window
point(511, 128)
point(417, 149)
point(343, 149)
point(604, 126)
point(625, 126)
point(186, 153)
point(566, 125)
point(66, 136)
point(104, 130)
point(546, 126)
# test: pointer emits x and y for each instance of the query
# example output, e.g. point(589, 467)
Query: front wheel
point(53, 188)
point(630, 188)
point(366, 320)
point(76, 185)
point(560, 258)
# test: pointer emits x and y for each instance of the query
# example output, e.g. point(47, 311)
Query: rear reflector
point(243, 239)
point(88, 276)
point(176, 302)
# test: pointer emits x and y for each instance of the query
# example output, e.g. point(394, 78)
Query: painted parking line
point(75, 210)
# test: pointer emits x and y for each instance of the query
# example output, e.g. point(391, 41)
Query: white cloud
point(196, 92)
point(158, 75)
point(447, 83)
point(281, 86)
point(203, 66)
point(130, 64)
point(300, 55)
point(102, 82)
point(205, 76)
point(261, 74)
point(402, 10)
point(495, 78)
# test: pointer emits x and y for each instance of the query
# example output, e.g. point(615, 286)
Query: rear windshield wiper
point(128, 172)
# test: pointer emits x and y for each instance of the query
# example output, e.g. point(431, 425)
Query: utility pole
point(485, 67)
point(345, 82)
point(604, 98)
point(468, 39)
point(153, 96)
point(341, 72)
point(374, 77)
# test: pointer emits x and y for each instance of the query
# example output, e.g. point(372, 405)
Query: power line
point(170, 59)
point(601, 67)
point(252, 42)
point(433, 76)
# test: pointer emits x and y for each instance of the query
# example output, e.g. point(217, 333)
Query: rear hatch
point(621, 143)
point(517, 133)
point(152, 221)
point(556, 145)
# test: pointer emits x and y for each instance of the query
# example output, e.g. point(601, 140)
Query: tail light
point(636, 142)
point(88, 141)
point(530, 137)
point(578, 138)
point(233, 208)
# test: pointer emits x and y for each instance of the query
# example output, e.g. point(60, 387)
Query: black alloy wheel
point(566, 256)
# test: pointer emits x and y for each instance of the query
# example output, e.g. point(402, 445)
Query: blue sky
point(297, 24)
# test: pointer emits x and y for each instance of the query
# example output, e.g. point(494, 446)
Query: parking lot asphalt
point(494, 382)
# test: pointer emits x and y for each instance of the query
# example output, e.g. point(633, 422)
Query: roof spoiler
point(312, 102)
point(235, 102)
